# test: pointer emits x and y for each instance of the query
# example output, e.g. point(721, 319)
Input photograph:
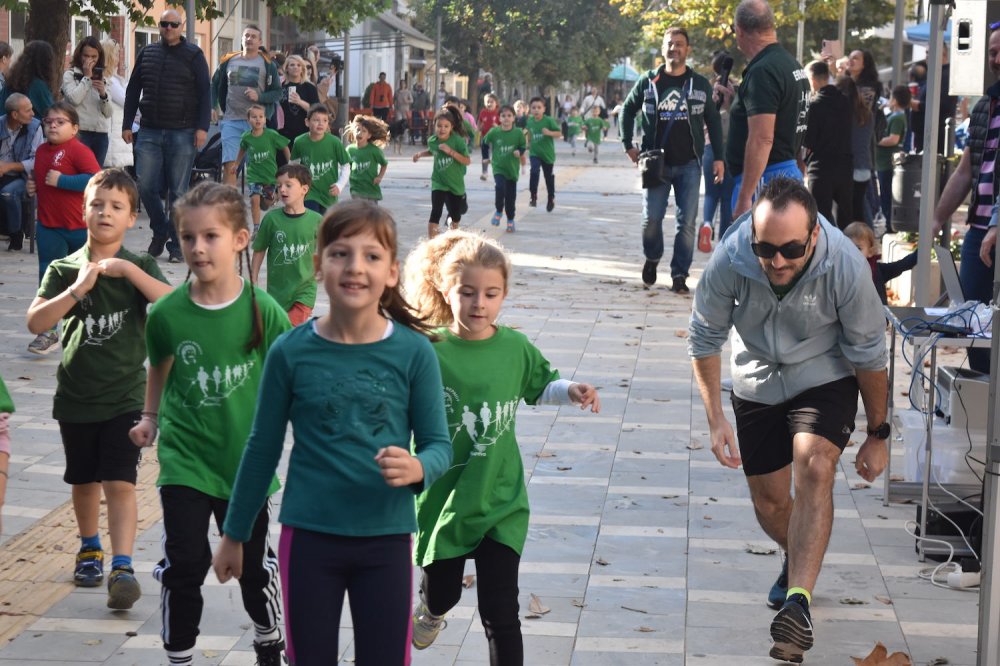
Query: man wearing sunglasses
point(810, 334)
point(170, 87)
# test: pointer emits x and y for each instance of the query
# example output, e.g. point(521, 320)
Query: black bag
point(652, 166)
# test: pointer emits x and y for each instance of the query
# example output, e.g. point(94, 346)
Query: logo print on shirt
point(809, 301)
point(673, 103)
point(484, 423)
point(57, 158)
point(103, 327)
point(290, 253)
point(210, 384)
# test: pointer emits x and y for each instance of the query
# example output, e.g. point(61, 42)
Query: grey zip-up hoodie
point(830, 323)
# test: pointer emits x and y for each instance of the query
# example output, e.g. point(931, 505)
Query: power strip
point(963, 579)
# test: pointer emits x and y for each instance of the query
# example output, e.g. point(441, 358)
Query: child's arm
point(455, 155)
point(287, 153)
point(551, 132)
point(76, 183)
point(343, 177)
point(151, 288)
point(239, 160)
point(422, 153)
point(564, 391)
point(44, 313)
point(255, 263)
point(432, 450)
point(894, 269)
point(143, 434)
point(381, 174)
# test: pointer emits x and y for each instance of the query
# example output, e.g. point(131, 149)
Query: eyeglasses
point(170, 24)
point(793, 250)
point(55, 122)
point(994, 26)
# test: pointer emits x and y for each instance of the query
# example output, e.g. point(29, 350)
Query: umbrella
point(921, 33)
point(622, 72)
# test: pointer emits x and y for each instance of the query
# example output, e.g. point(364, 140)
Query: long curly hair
point(37, 61)
point(378, 131)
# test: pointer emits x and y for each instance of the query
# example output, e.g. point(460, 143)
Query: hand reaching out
point(585, 395)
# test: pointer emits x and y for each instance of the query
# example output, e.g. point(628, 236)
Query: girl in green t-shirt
point(6, 409)
point(366, 137)
point(479, 508)
point(206, 341)
point(508, 147)
point(451, 157)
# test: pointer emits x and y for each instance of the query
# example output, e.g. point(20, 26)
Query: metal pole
point(800, 35)
point(842, 28)
point(929, 165)
point(191, 18)
point(989, 585)
point(897, 46)
point(437, 64)
point(344, 101)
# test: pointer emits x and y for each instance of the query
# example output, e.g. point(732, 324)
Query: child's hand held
point(228, 559)
point(114, 267)
point(143, 433)
point(52, 178)
point(87, 278)
point(398, 467)
point(334, 190)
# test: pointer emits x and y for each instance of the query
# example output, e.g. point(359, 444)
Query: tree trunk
point(48, 20)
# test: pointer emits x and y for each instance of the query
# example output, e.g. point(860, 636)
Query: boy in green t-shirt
point(260, 145)
point(542, 149)
point(888, 146)
point(574, 123)
point(324, 155)
point(595, 129)
point(288, 237)
point(100, 292)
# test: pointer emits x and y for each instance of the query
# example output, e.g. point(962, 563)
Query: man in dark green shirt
point(768, 117)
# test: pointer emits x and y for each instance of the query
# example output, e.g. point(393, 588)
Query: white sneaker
point(426, 627)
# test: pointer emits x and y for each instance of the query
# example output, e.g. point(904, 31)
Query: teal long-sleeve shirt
point(345, 402)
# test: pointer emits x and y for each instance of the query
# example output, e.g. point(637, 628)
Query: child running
point(596, 127)
point(288, 237)
point(508, 147)
point(489, 117)
point(541, 130)
point(574, 124)
point(451, 157)
point(324, 155)
point(367, 136)
point(358, 385)
point(260, 145)
point(479, 508)
point(63, 167)
point(207, 340)
point(100, 293)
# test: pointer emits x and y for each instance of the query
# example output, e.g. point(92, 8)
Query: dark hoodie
point(827, 141)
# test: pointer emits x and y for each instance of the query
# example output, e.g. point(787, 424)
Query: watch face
point(881, 432)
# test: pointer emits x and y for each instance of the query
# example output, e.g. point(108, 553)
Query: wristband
point(75, 297)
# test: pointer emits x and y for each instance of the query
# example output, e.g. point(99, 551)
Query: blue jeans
point(717, 196)
point(885, 196)
point(686, 182)
point(506, 195)
point(10, 196)
point(159, 153)
point(977, 285)
point(786, 169)
point(55, 243)
point(97, 142)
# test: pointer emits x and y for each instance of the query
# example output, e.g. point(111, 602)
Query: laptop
point(949, 275)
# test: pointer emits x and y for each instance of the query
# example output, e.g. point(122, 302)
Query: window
point(80, 30)
point(17, 21)
point(145, 37)
point(251, 10)
point(225, 46)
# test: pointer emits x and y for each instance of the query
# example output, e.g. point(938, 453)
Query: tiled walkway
point(638, 538)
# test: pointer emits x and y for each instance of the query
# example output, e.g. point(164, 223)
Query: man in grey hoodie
point(811, 333)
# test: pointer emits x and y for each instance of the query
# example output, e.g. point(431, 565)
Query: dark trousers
point(496, 585)
point(188, 557)
point(833, 186)
point(506, 194)
point(382, 113)
point(977, 285)
point(862, 212)
point(377, 575)
point(885, 196)
point(550, 179)
point(455, 203)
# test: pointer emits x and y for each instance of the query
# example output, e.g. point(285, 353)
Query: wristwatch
point(881, 432)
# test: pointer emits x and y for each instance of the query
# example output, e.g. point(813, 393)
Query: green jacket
point(701, 110)
point(269, 97)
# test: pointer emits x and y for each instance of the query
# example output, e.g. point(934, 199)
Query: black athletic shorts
point(100, 451)
point(765, 431)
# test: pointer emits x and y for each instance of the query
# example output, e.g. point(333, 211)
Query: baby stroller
point(208, 161)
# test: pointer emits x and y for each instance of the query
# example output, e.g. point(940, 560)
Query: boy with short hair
point(325, 157)
point(888, 146)
point(596, 126)
point(288, 237)
point(542, 149)
point(260, 144)
point(100, 292)
point(574, 124)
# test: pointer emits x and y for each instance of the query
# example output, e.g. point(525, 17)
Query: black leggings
point(506, 194)
point(496, 585)
point(550, 179)
point(455, 203)
point(377, 575)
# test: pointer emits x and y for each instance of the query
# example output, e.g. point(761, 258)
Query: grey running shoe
point(44, 343)
point(123, 588)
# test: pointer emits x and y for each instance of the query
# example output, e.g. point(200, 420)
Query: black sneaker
point(15, 242)
point(776, 596)
point(792, 630)
point(123, 588)
point(533, 202)
point(270, 654)
point(649, 273)
point(176, 257)
point(550, 205)
point(156, 246)
point(680, 286)
point(89, 570)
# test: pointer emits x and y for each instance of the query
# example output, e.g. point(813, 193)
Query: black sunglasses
point(170, 24)
point(793, 250)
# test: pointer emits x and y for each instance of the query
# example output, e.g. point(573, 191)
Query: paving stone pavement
point(638, 537)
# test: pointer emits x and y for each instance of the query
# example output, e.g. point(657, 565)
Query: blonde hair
point(302, 63)
point(436, 265)
point(860, 232)
point(110, 47)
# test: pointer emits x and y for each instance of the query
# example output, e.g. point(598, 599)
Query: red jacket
point(381, 95)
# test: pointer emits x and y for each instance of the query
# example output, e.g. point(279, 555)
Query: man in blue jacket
point(20, 134)
point(811, 333)
point(674, 103)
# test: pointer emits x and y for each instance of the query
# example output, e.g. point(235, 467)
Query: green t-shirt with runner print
point(574, 125)
point(883, 155)
point(101, 374)
point(262, 155)
point(542, 146)
point(290, 243)
point(6, 404)
point(366, 162)
point(483, 493)
point(506, 147)
point(448, 174)
point(323, 158)
point(595, 128)
point(208, 399)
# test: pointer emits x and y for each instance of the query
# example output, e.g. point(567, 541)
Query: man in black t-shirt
point(674, 104)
